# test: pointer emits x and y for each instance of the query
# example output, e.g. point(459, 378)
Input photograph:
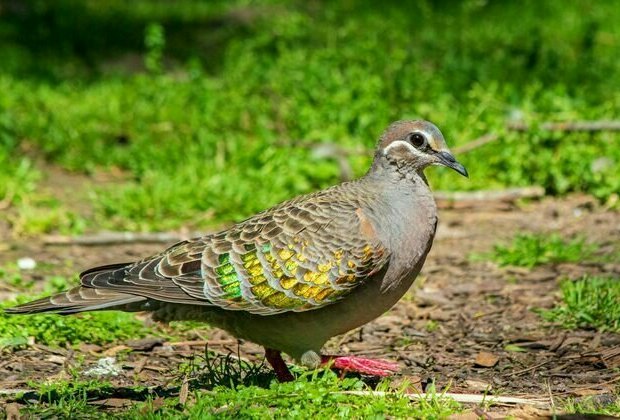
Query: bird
point(293, 276)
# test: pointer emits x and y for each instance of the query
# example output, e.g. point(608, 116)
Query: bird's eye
point(417, 139)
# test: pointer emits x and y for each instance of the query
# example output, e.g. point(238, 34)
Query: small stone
point(163, 349)
point(486, 359)
point(56, 359)
point(477, 385)
point(26, 263)
point(145, 344)
point(105, 367)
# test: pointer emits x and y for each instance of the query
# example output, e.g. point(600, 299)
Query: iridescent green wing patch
point(227, 278)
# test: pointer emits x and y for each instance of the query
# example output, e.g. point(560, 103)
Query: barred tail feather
point(82, 298)
point(79, 299)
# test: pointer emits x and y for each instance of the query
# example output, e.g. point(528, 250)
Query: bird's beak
point(447, 159)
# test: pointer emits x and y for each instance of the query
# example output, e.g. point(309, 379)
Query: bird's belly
point(297, 332)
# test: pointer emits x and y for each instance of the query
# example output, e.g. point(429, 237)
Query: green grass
point(199, 107)
point(590, 302)
point(55, 330)
point(319, 394)
point(324, 396)
point(213, 370)
point(42, 214)
point(532, 249)
point(66, 399)
point(605, 405)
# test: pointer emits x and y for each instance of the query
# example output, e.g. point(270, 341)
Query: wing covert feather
point(301, 255)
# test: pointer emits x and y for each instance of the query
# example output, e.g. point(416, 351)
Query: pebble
point(478, 386)
point(105, 367)
point(26, 263)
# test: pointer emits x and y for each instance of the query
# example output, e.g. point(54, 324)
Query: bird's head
point(414, 145)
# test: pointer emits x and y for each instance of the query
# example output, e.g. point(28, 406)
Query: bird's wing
point(299, 256)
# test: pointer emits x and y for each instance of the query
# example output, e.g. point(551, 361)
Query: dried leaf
point(486, 359)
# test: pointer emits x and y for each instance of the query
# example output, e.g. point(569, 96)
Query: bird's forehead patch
point(399, 131)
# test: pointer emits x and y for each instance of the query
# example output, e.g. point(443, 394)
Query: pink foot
point(361, 365)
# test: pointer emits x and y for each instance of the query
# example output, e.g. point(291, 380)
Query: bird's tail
point(82, 299)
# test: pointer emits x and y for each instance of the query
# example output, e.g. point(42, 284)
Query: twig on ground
point(474, 144)
point(613, 125)
point(155, 368)
point(509, 194)
point(461, 398)
point(600, 375)
point(519, 372)
point(611, 381)
point(201, 343)
point(115, 238)
point(552, 403)
point(340, 154)
point(483, 314)
point(15, 391)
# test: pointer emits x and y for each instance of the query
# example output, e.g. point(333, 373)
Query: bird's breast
point(408, 228)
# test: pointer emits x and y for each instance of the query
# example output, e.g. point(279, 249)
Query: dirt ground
point(453, 327)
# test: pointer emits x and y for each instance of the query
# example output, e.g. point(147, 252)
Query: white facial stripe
point(400, 143)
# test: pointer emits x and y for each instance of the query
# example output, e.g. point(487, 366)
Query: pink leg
point(361, 365)
point(274, 357)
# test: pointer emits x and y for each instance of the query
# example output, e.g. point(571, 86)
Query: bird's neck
point(395, 171)
point(403, 202)
point(406, 175)
point(405, 214)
